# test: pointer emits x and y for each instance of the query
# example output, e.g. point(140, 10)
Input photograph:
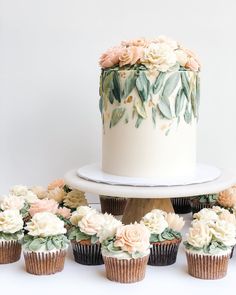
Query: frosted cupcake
point(208, 247)
point(126, 253)
point(11, 232)
point(204, 201)
point(45, 244)
point(165, 236)
point(112, 205)
point(86, 224)
point(181, 205)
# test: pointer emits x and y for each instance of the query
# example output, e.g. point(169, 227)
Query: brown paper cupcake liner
point(181, 205)
point(125, 270)
point(113, 205)
point(10, 251)
point(207, 267)
point(87, 253)
point(44, 263)
point(232, 252)
point(164, 253)
point(197, 206)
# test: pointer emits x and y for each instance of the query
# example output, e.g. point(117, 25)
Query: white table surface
point(226, 180)
point(88, 280)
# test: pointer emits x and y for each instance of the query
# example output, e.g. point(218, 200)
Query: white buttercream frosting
point(10, 221)
point(109, 227)
point(11, 202)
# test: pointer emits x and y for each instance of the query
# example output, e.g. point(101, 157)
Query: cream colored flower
point(227, 198)
point(11, 202)
point(75, 199)
point(174, 221)
point(45, 224)
point(227, 216)
point(133, 238)
point(155, 222)
point(30, 197)
point(109, 227)
point(199, 234)
point(56, 183)
point(165, 40)
point(181, 56)
point(64, 212)
point(39, 191)
point(224, 232)
point(57, 194)
point(91, 224)
point(207, 215)
point(160, 57)
point(80, 213)
point(19, 190)
point(10, 221)
point(141, 42)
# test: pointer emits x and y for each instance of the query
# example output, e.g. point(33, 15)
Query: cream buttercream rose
point(224, 232)
point(11, 202)
point(109, 227)
point(155, 222)
point(199, 234)
point(80, 213)
point(174, 221)
point(91, 224)
point(11, 221)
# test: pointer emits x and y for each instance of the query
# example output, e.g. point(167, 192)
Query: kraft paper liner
point(197, 206)
point(164, 253)
point(87, 253)
point(44, 263)
point(181, 205)
point(125, 270)
point(10, 251)
point(113, 205)
point(207, 267)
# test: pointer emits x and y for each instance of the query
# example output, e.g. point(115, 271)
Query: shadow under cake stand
point(142, 199)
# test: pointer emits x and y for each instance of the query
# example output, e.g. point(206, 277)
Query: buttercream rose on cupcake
point(74, 199)
point(10, 221)
point(199, 234)
point(44, 205)
point(11, 202)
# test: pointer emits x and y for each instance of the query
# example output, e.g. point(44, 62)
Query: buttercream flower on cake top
point(227, 198)
point(161, 54)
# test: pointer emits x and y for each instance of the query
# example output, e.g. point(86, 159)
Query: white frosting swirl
point(199, 234)
point(11, 202)
point(155, 222)
point(109, 227)
point(10, 221)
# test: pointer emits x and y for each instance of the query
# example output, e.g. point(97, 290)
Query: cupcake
point(165, 236)
point(126, 253)
point(227, 198)
point(204, 201)
point(11, 233)
point(45, 244)
point(86, 224)
point(112, 205)
point(181, 205)
point(208, 247)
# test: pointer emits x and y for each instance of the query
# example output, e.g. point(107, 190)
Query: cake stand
point(143, 199)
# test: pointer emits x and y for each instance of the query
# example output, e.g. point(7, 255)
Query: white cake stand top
point(224, 181)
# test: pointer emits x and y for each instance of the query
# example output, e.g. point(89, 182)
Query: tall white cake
point(149, 103)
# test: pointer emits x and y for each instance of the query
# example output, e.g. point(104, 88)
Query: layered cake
point(149, 101)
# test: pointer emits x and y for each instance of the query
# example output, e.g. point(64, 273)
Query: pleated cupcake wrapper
point(87, 254)
point(207, 267)
point(10, 251)
point(181, 205)
point(112, 205)
point(44, 263)
point(196, 207)
point(164, 253)
point(125, 270)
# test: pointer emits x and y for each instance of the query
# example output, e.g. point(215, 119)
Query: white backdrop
point(49, 74)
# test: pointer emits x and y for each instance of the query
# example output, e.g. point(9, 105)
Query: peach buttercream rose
point(44, 205)
point(64, 212)
point(91, 224)
point(56, 183)
point(58, 194)
point(110, 57)
point(227, 198)
point(130, 55)
point(39, 191)
point(140, 42)
point(133, 238)
point(174, 221)
point(193, 62)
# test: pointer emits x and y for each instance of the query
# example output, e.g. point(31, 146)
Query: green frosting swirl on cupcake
point(167, 235)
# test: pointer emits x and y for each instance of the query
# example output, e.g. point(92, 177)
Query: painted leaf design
point(185, 84)
point(170, 85)
point(154, 115)
point(187, 115)
point(197, 92)
point(139, 107)
point(116, 90)
point(116, 115)
point(164, 107)
point(130, 83)
point(107, 87)
point(139, 121)
point(100, 104)
point(193, 95)
point(179, 102)
point(157, 85)
point(143, 86)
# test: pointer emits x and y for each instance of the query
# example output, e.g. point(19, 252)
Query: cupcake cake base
point(125, 270)
point(112, 205)
point(10, 251)
point(87, 253)
point(164, 253)
point(43, 263)
point(207, 267)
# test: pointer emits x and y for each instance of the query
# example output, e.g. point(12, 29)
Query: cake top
point(162, 54)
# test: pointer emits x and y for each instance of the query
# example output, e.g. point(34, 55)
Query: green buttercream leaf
point(139, 121)
point(187, 115)
point(157, 85)
point(179, 102)
point(143, 86)
point(185, 84)
point(101, 105)
point(75, 234)
point(116, 116)
point(94, 239)
point(35, 245)
point(49, 245)
point(139, 107)
point(154, 116)
point(164, 107)
point(116, 91)
point(170, 85)
point(130, 83)
point(167, 235)
point(197, 92)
